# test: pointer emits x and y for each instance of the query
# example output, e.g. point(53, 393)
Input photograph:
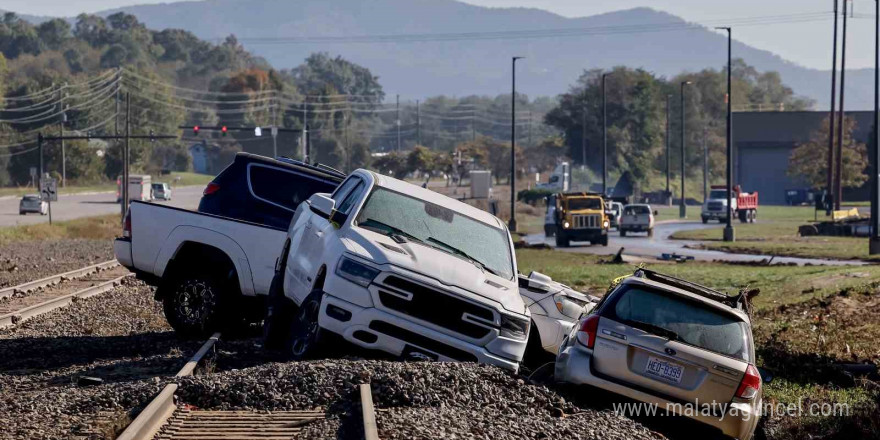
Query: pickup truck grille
point(435, 306)
point(585, 221)
point(715, 206)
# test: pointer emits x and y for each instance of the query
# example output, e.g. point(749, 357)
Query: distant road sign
point(49, 190)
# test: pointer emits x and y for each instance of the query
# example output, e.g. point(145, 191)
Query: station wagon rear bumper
point(574, 365)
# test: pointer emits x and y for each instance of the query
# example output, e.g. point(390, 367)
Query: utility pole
point(705, 165)
point(584, 139)
point(474, 125)
point(125, 153)
point(398, 122)
point(63, 119)
point(305, 122)
point(729, 234)
point(682, 210)
point(838, 165)
point(530, 128)
point(418, 123)
point(668, 191)
point(604, 138)
point(874, 242)
point(512, 223)
point(274, 138)
point(832, 116)
point(118, 144)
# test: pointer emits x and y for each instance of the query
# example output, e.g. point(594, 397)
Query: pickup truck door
point(314, 234)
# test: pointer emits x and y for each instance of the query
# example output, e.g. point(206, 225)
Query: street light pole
point(729, 234)
point(874, 242)
point(584, 140)
point(512, 223)
point(838, 160)
point(832, 116)
point(668, 191)
point(604, 137)
point(682, 210)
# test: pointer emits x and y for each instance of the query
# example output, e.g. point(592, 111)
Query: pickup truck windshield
point(438, 227)
point(578, 204)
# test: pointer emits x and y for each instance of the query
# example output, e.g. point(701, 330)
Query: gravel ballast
point(30, 260)
point(120, 337)
point(415, 400)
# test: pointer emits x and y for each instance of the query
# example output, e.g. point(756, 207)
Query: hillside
point(463, 67)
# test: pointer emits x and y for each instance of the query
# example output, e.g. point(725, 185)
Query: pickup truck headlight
point(565, 224)
point(569, 306)
point(356, 272)
point(514, 328)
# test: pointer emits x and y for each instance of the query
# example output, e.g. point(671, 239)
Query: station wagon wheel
point(305, 333)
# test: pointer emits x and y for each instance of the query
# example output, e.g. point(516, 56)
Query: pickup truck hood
point(446, 268)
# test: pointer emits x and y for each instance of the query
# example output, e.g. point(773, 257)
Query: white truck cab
point(391, 266)
point(715, 206)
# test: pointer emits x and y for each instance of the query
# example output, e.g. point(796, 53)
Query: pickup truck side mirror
point(322, 205)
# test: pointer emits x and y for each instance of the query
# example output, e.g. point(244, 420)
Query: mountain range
point(411, 62)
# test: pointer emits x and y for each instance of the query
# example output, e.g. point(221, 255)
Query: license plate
point(664, 370)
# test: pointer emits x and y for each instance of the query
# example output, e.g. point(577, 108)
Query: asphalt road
point(649, 248)
point(73, 206)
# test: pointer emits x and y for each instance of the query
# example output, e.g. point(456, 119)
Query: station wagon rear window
point(670, 315)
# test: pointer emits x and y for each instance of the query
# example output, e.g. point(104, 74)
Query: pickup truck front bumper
point(372, 328)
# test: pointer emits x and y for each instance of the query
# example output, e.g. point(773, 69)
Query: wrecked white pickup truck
point(391, 266)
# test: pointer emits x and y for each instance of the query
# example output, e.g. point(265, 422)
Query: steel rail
point(18, 316)
point(54, 279)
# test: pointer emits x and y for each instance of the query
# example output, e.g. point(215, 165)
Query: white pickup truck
point(391, 266)
point(636, 218)
point(213, 268)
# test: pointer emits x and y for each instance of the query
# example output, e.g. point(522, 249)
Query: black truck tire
point(280, 309)
point(562, 240)
point(306, 336)
point(604, 240)
point(194, 304)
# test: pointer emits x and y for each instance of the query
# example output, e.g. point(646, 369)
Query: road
point(73, 206)
point(640, 245)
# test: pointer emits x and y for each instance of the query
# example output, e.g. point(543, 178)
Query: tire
point(754, 216)
point(604, 240)
point(562, 240)
point(623, 232)
point(705, 220)
point(743, 216)
point(194, 304)
point(535, 355)
point(651, 232)
point(305, 334)
point(22, 213)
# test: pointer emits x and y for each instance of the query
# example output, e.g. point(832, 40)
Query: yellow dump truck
point(581, 216)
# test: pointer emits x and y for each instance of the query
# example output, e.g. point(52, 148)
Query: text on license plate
point(664, 370)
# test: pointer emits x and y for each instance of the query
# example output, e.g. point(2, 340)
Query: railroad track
point(58, 291)
point(162, 419)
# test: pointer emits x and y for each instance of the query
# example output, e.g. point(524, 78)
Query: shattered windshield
point(439, 227)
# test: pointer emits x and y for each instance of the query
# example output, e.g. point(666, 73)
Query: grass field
point(173, 179)
point(807, 321)
point(775, 233)
point(96, 228)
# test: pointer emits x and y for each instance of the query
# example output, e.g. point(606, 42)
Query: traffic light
point(196, 130)
point(223, 129)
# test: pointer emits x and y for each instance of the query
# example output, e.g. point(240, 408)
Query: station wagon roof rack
point(736, 302)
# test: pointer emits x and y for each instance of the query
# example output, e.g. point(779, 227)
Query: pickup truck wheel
point(305, 333)
point(192, 306)
point(651, 232)
point(279, 316)
point(623, 232)
point(705, 220)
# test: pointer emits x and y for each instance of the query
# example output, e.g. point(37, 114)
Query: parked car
point(666, 341)
point(555, 309)
point(32, 203)
point(161, 191)
point(213, 268)
point(616, 210)
point(636, 218)
point(391, 266)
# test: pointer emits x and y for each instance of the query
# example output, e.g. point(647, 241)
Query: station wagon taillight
point(211, 189)
point(586, 335)
point(750, 384)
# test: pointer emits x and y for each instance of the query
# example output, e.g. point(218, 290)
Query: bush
point(533, 196)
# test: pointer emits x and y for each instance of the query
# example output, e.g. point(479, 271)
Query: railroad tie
point(234, 425)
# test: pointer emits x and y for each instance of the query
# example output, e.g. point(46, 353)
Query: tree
point(420, 159)
point(54, 32)
point(392, 164)
point(809, 161)
point(320, 72)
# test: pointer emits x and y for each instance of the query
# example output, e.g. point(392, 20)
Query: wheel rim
point(195, 301)
point(306, 331)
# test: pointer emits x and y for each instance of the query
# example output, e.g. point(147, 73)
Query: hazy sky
point(806, 43)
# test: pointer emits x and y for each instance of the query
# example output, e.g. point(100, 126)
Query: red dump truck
point(745, 205)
